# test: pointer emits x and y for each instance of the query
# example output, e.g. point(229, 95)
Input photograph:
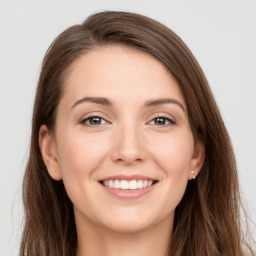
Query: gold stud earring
point(194, 177)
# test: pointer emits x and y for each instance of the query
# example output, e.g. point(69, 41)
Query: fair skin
point(122, 113)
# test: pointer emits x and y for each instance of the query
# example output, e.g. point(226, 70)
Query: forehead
point(116, 71)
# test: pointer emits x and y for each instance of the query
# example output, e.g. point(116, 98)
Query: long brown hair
point(207, 220)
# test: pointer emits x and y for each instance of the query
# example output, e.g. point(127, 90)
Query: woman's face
point(123, 144)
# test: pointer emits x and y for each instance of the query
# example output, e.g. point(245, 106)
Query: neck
point(97, 241)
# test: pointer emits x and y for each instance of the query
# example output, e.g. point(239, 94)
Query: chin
point(130, 221)
point(128, 226)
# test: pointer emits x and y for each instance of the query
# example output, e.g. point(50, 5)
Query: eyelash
point(164, 118)
point(90, 118)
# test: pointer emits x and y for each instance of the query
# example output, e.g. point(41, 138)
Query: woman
point(129, 154)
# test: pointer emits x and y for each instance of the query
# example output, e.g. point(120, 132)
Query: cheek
point(174, 153)
point(174, 158)
point(80, 155)
point(171, 155)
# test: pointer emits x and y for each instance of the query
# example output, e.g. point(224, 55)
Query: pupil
point(95, 120)
point(160, 120)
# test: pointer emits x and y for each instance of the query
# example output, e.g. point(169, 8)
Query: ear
point(48, 149)
point(197, 160)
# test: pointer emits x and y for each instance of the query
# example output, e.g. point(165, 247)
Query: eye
point(161, 121)
point(93, 121)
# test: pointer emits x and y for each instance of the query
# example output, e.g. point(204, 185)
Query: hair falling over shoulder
point(207, 220)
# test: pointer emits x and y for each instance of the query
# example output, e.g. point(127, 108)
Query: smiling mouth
point(128, 184)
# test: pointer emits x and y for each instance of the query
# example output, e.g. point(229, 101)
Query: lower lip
point(128, 193)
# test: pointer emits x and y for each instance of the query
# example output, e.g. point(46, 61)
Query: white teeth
point(133, 184)
point(105, 182)
point(111, 184)
point(125, 184)
point(116, 184)
point(140, 184)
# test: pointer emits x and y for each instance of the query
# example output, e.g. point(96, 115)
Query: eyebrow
point(149, 103)
point(157, 102)
point(97, 100)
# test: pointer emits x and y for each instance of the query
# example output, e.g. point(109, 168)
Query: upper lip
point(128, 177)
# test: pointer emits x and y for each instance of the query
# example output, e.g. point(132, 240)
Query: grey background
point(221, 34)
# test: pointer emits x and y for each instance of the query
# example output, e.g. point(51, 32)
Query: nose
point(128, 146)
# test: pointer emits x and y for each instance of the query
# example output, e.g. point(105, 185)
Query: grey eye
point(161, 120)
